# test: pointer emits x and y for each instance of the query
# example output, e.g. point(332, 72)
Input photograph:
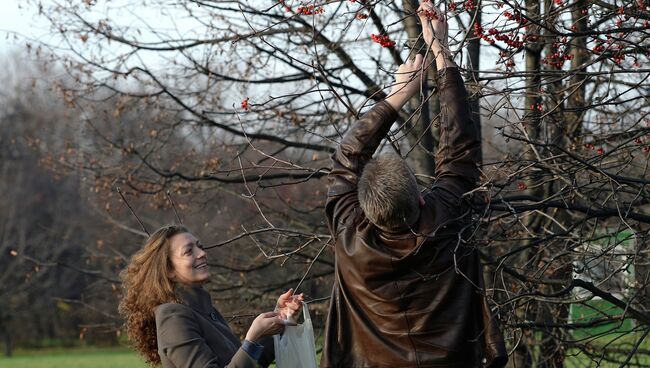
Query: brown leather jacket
point(414, 299)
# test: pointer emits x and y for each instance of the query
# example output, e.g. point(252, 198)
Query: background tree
point(53, 260)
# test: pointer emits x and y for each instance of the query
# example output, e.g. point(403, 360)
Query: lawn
point(74, 358)
point(623, 342)
point(124, 358)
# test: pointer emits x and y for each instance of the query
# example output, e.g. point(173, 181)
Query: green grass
point(595, 309)
point(74, 358)
point(620, 342)
point(88, 357)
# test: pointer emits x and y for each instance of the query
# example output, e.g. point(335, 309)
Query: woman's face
point(189, 262)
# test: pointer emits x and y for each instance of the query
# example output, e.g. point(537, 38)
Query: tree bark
point(474, 53)
point(6, 338)
point(522, 356)
point(422, 156)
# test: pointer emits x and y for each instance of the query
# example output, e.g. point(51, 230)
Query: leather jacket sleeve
point(354, 151)
point(459, 147)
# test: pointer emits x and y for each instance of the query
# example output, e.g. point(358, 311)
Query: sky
point(22, 22)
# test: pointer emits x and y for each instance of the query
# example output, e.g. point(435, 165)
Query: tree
point(249, 99)
point(50, 242)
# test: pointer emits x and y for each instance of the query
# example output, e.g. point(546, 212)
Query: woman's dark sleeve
point(268, 356)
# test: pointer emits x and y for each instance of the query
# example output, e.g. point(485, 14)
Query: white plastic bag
point(296, 348)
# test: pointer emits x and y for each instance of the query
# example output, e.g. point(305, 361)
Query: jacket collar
point(195, 297)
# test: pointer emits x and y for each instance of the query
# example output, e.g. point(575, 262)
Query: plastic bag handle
point(305, 312)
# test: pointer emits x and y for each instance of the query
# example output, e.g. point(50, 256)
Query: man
point(407, 289)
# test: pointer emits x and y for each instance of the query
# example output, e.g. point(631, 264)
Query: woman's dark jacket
point(195, 335)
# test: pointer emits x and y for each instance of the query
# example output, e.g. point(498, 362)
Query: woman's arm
point(181, 342)
point(180, 339)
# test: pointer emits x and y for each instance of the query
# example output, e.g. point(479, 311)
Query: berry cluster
point(515, 16)
point(558, 55)
point(642, 141)
point(310, 10)
point(468, 5)
point(383, 40)
point(591, 147)
point(430, 14)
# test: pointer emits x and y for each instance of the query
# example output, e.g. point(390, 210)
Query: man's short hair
point(388, 193)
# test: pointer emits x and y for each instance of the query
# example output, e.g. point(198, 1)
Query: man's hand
point(289, 304)
point(434, 31)
point(407, 82)
point(434, 25)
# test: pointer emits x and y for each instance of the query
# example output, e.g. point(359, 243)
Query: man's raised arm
point(459, 147)
point(361, 141)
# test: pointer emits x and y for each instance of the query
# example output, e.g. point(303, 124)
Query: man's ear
point(421, 201)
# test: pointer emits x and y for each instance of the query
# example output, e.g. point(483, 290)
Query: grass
point(597, 308)
point(621, 342)
point(88, 357)
point(619, 335)
point(74, 358)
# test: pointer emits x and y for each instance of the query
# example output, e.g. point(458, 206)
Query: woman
point(170, 318)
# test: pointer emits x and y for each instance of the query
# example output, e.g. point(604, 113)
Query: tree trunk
point(6, 338)
point(421, 157)
point(522, 356)
point(474, 53)
point(576, 101)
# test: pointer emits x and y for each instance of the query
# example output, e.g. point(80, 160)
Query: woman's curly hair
point(146, 285)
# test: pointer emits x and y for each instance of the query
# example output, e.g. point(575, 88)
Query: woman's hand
point(267, 324)
point(289, 304)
